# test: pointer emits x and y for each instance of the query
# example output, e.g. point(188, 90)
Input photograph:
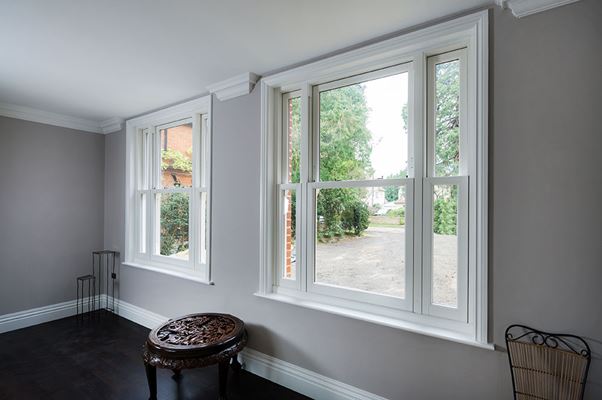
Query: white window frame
point(468, 324)
point(141, 248)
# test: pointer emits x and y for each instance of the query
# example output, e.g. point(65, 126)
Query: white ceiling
point(98, 59)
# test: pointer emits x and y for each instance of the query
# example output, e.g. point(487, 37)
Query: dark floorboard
point(101, 359)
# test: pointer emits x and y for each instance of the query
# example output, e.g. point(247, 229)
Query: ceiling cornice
point(49, 118)
point(55, 119)
point(111, 125)
point(236, 86)
point(523, 8)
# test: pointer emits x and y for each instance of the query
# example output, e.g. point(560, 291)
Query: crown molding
point(236, 86)
point(49, 118)
point(111, 125)
point(523, 8)
point(65, 121)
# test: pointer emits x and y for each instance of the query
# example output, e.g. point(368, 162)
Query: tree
point(176, 160)
point(174, 223)
point(355, 218)
point(344, 154)
point(447, 143)
point(392, 192)
point(445, 210)
point(344, 138)
point(174, 206)
point(447, 119)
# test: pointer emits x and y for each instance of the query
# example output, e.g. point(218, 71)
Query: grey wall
point(114, 191)
point(51, 211)
point(545, 226)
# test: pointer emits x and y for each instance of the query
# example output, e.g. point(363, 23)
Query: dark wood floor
point(102, 360)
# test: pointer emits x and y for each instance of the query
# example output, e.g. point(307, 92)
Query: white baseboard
point(39, 315)
point(35, 316)
point(300, 379)
point(289, 375)
point(139, 315)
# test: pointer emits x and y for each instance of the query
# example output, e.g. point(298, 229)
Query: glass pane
point(360, 236)
point(145, 162)
point(204, 150)
point(290, 234)
point(176, 156)
point(142, 223)
point(173, 231)
point(445, 245)
point(363, 130)
point(447, 118)
point(293, 139)
point(204, 231)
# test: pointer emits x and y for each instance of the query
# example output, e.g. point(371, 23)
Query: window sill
point(178, 274)
point(380, 320)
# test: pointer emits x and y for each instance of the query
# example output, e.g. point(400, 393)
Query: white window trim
point(194, 110)
point(470, 31)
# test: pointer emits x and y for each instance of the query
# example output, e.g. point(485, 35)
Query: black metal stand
point(81, 284)
point(104, 267)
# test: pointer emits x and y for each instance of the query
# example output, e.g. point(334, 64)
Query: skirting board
point(300, 379)
point(289, 375)
point(40, 315)
point(35, 316)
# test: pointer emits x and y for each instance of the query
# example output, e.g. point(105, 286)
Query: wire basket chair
point(546, 366)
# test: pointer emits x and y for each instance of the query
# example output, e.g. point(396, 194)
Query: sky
point(386, 97)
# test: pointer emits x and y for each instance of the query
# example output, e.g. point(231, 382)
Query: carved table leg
point(235, 364)
point(151, 376)
point(223, 379)
point(176, 374)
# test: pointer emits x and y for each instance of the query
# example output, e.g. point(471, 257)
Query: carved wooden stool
point(194, 341)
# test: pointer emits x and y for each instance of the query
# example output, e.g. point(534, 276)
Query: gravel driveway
point(375, 262)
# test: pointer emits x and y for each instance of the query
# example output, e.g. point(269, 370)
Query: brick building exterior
point(176, 139)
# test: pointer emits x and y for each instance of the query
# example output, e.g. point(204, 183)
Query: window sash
point(148, 183)
point(460, 312)
point(418, 271)
point(395, 69)
point(158, 147)
point(465, 170)
point(404, 303)
point(284, 145)
point(464, 148)
point(293, 282)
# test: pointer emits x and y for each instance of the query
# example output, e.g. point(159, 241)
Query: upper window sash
point(321, 89)
point(143, 159)
point(290, 139)
point(445, 71)
point(161, 133)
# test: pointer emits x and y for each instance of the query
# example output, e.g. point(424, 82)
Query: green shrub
point(174, 223)
point(391, 193)
point(398, 212)
point(355, 218)
point(445, 216)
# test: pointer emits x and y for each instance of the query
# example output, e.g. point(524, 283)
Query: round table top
point(196, 335)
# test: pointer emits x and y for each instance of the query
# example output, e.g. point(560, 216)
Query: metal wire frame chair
point(547, 366)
